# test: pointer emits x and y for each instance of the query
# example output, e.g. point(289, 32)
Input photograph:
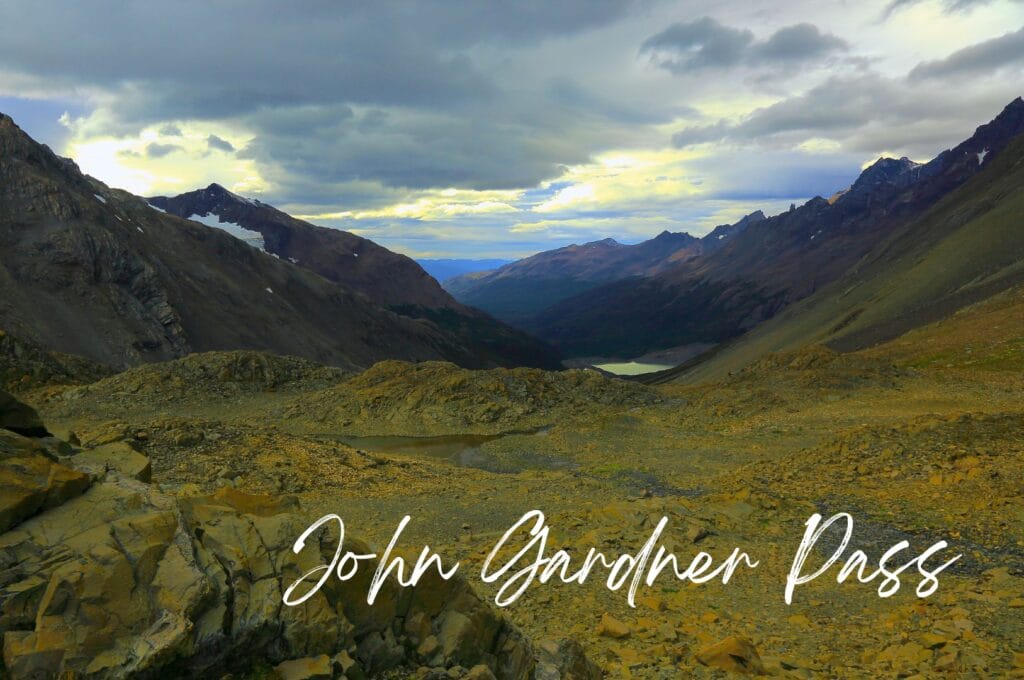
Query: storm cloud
point(440, 121)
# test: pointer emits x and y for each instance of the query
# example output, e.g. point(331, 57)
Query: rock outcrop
point(396, 397)
point(18, 417)
point(104, 576)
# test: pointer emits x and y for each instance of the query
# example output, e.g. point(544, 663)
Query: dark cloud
point(215, 143)
point(390, 92)
point(418, 150)
point(236, 55)
point(863, 113)
point(690, 47)
point(154, 150)
point(170, 130)
point(798, 43)
point(984, 57)
point(698, 44)
point(837, 105)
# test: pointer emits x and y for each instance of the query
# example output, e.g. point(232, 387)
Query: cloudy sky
point(497, 129)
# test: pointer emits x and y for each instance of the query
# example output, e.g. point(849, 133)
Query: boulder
point(733, 654)
point(119, 456)
point(123, 580)
point(564, 660)
point(21, 418)
point(612, 627)
point(309, 668)
point(31, 481)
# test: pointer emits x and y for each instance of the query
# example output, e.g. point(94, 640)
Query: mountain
point(355, 262)
point(443, 269)
point(519, 290)
point(772, 263)
point(98, 272)
point(965, 251)
point(392, 280)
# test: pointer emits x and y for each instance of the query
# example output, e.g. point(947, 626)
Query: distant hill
point(443, 269)
point(780, 260)
point(521, 289)
point(100, 273)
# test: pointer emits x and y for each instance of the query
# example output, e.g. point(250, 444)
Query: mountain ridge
point(519, 289)
point(98, 272)
point(772, 264)
point(390, 279)
point(966, 250)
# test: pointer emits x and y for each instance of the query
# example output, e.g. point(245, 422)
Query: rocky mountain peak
point(995, 134)
point(725, 231)
point(603, 243)
point(884, 170)
point(14, 140)
point(667, 236)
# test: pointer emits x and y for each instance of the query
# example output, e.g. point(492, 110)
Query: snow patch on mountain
point(253, 238)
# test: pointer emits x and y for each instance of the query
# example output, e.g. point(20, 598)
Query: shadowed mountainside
point(521, 289)
point(98, 272)
point(774, 262)
point(968, 248)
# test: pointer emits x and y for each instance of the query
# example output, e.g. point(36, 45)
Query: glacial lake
point(632, 368)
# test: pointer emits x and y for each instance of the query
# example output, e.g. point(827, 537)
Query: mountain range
point(966, 249)
point(716, 295)
point(104, 274)
point(99, 273)
point(518, 290)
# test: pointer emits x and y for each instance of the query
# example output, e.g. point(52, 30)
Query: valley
point(916, 438)
point(188, 402)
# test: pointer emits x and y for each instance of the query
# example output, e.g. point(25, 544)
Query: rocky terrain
point(106, 575)
point(918, 438)
point(164, 439)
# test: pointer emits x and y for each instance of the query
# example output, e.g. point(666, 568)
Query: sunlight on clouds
point(102, 159)
point(430, 205)
point(157, 162)
point(819, 145)
point(580, 195)
point(624, 178)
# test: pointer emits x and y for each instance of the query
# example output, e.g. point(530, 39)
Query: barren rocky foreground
point(919, 439)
